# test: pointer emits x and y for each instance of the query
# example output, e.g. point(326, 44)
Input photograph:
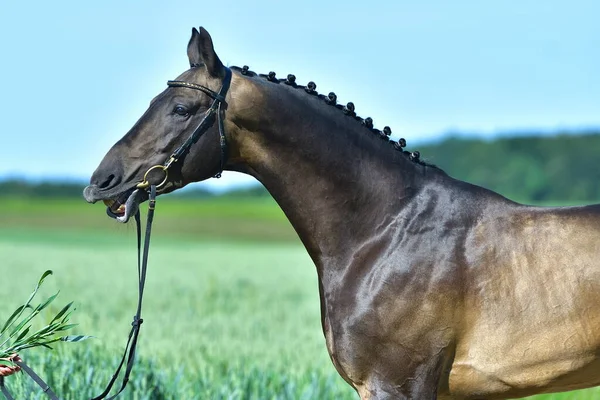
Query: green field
point(231, 308)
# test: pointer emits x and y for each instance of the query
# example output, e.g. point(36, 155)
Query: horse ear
point(201, 51)
point(193, 49)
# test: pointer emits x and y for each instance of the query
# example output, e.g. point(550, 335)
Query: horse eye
point(181, 110)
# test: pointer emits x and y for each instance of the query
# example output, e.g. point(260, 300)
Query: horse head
point(178, 140)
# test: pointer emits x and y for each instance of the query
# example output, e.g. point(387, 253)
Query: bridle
point(217, 109)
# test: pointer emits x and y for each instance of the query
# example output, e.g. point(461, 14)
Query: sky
point(76, 75)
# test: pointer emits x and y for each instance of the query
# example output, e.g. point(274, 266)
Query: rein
point(136, 324)
point(132, 340)
point(217, 109)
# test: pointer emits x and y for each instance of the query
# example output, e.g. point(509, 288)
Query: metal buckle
point(145, 184)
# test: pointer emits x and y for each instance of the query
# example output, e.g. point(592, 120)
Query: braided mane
point(348, 109)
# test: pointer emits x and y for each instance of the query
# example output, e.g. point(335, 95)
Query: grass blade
point(47, 302)
point(37, 287)
point(76, 338)
point(22, 335)
point(61, 312)
point(42, 337)
point(11, 318)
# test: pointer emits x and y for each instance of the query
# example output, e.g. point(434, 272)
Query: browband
point(211, 93)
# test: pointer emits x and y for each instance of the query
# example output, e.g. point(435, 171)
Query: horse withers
point(430, 287)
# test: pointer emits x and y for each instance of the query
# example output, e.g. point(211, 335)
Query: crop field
point(231, 308)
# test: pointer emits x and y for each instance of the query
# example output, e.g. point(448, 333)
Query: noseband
point(217, 107)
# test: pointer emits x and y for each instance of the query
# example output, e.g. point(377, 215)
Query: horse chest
point(343, 344)
point(385, 325)
point(356, 338)
point(332, 350)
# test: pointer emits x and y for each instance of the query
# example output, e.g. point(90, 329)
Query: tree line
point(560, 167)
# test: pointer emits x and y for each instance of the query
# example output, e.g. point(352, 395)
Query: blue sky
point(77, 75)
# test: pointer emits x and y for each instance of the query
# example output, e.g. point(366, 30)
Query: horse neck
point(335, 180)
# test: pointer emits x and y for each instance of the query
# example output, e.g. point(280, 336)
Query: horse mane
point(348, 110)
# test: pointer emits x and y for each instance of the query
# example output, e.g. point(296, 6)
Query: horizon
point(248, 182)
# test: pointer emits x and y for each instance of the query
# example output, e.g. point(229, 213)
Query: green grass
point(253, 218)
point(222, 318)
point(226, 315)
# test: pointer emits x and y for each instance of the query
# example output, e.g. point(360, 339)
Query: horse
point(430, 287)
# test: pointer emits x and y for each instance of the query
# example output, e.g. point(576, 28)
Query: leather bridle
point(217, 109)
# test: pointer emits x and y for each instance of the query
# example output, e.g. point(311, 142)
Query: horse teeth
point(121, 209)
point(108, 203)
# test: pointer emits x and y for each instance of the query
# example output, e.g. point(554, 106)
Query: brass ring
point(144, 184)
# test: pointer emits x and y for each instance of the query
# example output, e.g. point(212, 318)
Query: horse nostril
point(107, 182)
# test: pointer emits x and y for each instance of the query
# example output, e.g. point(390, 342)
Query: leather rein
point(216, 109)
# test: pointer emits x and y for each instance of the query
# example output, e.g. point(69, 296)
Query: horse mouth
point(126, 204)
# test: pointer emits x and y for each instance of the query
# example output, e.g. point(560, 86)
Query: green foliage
point(560, 168)
point(22, 188)
point(15, 334)
point(221, 319)
point(73, 220)
point(81, 374)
